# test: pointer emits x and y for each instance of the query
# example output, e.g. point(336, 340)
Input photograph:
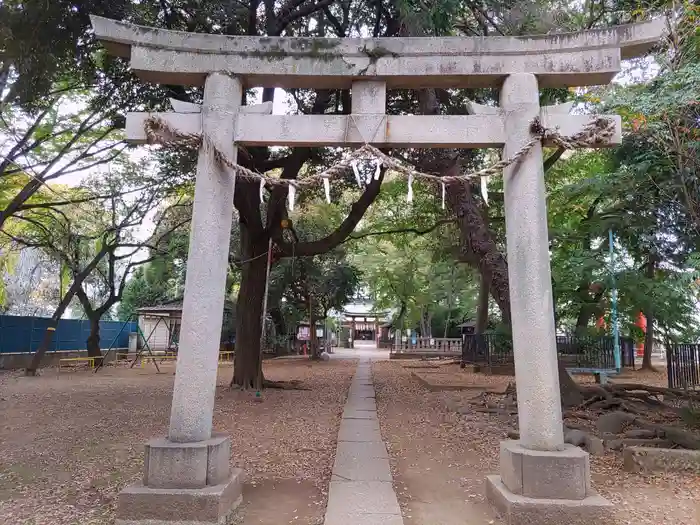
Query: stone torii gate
point(542, 480)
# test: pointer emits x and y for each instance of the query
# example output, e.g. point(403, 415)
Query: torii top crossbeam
point(558, 60)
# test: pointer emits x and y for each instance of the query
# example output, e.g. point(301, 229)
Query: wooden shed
point(160, 325)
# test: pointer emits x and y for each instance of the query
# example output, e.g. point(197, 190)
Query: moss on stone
point(303, 48)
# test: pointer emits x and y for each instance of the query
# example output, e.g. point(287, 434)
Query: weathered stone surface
point(520, 510)
point(361, 403)
point(643, 459)
point(171, 57)
point(359, 430)
point(212, 505)
point(364, 519)
point(561, 474)
point(362, 497)
point(219, 456)
point(207, 264)
point(441, 131)
point(361, 391)
point(361, 490)
point(359, 414)
point(361, 468)
point(358, 449)
point(187, 465)
point(529, 274)
point(511, 463)
point(175, 465)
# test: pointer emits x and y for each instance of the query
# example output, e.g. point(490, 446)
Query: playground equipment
point(68, 361)
point(170, 352)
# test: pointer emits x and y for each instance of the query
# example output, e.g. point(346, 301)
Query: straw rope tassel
point(596, 132)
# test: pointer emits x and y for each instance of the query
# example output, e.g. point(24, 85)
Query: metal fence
point(439, 346)
point(575, 352)
point(20, 334)
point(683, 361)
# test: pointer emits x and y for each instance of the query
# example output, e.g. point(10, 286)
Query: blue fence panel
point(111, 329)
point(20, 334)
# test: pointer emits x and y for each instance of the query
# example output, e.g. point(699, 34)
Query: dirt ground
point(440, 460)
point(69, 444)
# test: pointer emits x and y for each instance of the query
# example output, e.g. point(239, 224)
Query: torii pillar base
point(545, 488)
point(183, 484)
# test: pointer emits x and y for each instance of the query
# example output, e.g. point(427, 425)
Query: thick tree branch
point(306, 249)
point(552, 159)
point(415, 231)
point(287, 16)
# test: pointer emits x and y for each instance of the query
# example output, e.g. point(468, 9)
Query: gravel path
point(440, 459)
point(70, 444)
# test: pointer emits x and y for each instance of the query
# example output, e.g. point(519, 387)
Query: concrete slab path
point(361, 492)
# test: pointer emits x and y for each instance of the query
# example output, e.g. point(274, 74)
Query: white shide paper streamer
point(409, 196)
point(378, 170)
point(327, 189)
point(291, 196)
point(357, 173)
point(485, 189)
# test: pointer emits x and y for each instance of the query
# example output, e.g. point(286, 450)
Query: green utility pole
point(613, 310)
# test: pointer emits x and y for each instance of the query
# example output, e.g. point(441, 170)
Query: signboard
point(304, 333)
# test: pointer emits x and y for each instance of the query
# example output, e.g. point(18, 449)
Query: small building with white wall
point(160, 326)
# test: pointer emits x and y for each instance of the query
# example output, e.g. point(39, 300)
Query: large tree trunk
point(482, 313)
point(568, 388)
point(48, 335)
point(584, 315)
point(313, 340)
point(648, 343)
point(247, 370)
point(590, 306)
point(477, 245)
point(93, 341)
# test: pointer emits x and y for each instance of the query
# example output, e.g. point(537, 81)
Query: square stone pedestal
point(183, 483)
point(545, 488)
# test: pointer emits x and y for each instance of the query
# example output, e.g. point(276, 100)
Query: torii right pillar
point(543, 481)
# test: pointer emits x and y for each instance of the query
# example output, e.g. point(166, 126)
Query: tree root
point(637, 405)
point(497, 411)
point(284, 385)
point(617, 388)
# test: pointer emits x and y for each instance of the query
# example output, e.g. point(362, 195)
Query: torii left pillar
point(187, 476)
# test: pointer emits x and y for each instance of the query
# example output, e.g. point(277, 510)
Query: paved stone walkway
point(361, 491)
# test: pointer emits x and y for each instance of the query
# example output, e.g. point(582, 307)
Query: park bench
point(601, 375)
point(226, 357)
point(66, 361)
